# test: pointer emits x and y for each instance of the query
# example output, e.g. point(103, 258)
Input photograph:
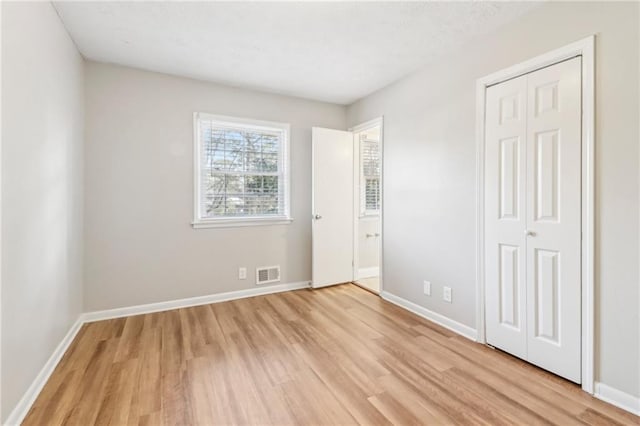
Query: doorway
point(367, 224)
point(347, 206)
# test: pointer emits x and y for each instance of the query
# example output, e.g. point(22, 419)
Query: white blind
point(370, 172)
point(242, 170)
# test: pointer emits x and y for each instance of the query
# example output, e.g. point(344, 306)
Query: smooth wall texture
point(429, 119)
point(42, 155)
point(140, 246)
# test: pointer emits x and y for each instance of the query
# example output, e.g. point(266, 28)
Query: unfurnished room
point(319, 213)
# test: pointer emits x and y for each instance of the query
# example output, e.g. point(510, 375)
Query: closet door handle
point(529, 233)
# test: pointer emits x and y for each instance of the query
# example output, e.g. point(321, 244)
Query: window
point(241, 172)
point(369, 176)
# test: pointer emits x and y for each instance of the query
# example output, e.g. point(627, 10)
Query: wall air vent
point(267, 274)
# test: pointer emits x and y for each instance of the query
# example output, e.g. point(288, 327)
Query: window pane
point(269, 162)
point(270, 184)
point(234, 147)
point(237, 149)
point(370, 169)
point(370, 159)
point(214, 194)
point(254, 184)
point(372, 194)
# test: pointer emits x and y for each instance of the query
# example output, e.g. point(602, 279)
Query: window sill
point(369, 215)
point(240, 222)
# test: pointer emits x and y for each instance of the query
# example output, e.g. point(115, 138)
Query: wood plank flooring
point(338, 355)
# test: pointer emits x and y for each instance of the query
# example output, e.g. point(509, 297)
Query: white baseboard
point(368, 272)
point(463, 330)
point(20, 411)
point(618, 398)
point(24, 405)
point(191, 301)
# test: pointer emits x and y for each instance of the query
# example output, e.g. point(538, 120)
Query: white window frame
point(226, 222)
point(363, 182)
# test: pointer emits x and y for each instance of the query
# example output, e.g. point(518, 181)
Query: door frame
point(378, 121)
point(585, 48)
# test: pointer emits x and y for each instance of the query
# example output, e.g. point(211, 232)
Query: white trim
point(368, 124)
point(228, 222)
point(448, 323)
point(191, 301)
point(0, 223)
point(584, 48)
point(370, 214)
point(20, 411)
point(382, 204)
point(374, 271)
point(618, 398)
point(239, 222)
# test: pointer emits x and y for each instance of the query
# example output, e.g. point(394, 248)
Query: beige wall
point(42, 143)
point(430, 168)
point(140, 246)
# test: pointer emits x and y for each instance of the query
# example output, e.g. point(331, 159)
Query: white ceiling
point(336, 52)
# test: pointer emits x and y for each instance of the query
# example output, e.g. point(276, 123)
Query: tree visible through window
point(242, 169)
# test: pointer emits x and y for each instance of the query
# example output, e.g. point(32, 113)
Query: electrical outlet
point(446, 294)
point(427, 288)
point(242, 273)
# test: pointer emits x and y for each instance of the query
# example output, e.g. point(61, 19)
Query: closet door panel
point(505, 215)
point(553, 252)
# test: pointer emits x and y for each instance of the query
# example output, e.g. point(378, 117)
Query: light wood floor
point(339, 355)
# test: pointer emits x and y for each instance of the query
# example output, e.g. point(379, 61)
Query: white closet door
point(554, 218)
point(505, 216)
point(533, 217)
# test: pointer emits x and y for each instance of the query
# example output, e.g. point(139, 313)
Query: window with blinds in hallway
point(241, 171)
point(370, 176)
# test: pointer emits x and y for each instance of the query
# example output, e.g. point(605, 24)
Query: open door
point(332, 207)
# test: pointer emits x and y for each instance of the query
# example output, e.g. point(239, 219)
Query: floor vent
point(267, 274)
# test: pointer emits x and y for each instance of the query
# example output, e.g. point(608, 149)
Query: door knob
point(317, 217)
point(529, 233)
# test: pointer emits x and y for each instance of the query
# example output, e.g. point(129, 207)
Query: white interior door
point(533, 217)
point(332, 207)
